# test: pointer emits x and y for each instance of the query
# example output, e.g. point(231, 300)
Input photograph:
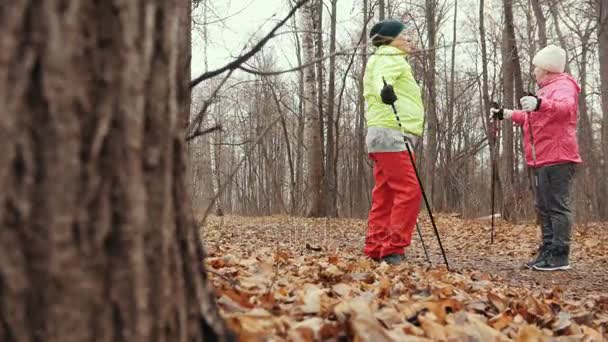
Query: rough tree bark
point(311, 110)
point(98, 240)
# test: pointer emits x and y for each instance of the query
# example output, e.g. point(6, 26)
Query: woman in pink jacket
point(549, 124)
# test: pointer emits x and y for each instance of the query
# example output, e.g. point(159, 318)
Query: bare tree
point(430, 77)
point(331, 192)
point(359, 161)
point(541, 21)
point(311, 110)
point(602, 34)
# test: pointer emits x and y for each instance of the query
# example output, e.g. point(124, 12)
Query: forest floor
point(298, 279)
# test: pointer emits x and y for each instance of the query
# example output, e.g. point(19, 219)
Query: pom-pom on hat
point(551, 58)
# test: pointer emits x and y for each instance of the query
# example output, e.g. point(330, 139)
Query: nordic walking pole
point(422, 242)
point(426, 201)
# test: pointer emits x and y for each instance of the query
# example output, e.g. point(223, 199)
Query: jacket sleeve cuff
point(518, 117)
point(539, 102)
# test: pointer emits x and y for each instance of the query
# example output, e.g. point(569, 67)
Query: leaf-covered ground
point(285, 278)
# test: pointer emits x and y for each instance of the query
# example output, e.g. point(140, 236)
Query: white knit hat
point(552, 58)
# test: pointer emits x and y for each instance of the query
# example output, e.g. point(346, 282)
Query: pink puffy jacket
point(554, 124)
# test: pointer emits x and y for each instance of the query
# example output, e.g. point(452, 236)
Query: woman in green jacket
point(396, 195)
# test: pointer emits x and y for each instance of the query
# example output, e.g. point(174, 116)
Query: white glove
point(529, 103)
point(500, 114)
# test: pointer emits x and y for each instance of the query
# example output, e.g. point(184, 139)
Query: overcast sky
point(250, 20)
point(246, 17)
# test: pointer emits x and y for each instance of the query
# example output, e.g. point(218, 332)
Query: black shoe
point(393, 259)
point(557, 260)
point(543, 253)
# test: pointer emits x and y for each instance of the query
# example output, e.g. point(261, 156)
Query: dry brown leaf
point(410, 329)
point(251, 328)
point(389, 316)
point(331, 330)
point(332, 272)
point(229, 305)
point(367, 329)
point(311, 299)
point(530, 333)
point(563, 321)
point(501, 321)
point(307, 330)
point(301, 334)
point(497, 301)
point(384, 287)
point(398, 333)
point(333, 259)
point(592, 334)
point(538, 307)
point(432, 329)
point(485, 332)
point(342, 290)
point(240, 298)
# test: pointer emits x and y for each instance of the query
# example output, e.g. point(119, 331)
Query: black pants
point(553, 201)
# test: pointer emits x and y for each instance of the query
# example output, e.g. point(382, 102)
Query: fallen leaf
point(530, 333)
point(311, 299)
point(501, 321)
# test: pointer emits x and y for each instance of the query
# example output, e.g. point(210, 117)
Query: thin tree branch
point(197, 122)
point(346, 52)
point(245, 57)
point(198, 133)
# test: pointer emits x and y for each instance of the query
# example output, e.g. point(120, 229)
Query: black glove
point(388, 94)
point(498, 112)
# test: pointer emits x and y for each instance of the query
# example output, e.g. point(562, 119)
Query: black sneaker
point(557, 260)
point(393, 259)
point(543, 253)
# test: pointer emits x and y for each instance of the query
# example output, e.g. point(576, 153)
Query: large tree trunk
point(585, 138)
point(311, 110)
point(432, 119)
point(491, 129)
point(603, 57)
point(301, 120)
point(450, 183)
point(98, 241)
point(359, 162)
point(331, 191)
point(508, 59)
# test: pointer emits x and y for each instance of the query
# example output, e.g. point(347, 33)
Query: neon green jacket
point(389, 62)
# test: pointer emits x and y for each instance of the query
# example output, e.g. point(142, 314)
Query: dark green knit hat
point(387, 28)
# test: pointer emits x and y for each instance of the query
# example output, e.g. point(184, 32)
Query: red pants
point(395, 204)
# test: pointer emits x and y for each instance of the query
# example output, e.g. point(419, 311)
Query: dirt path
point(468, 247)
